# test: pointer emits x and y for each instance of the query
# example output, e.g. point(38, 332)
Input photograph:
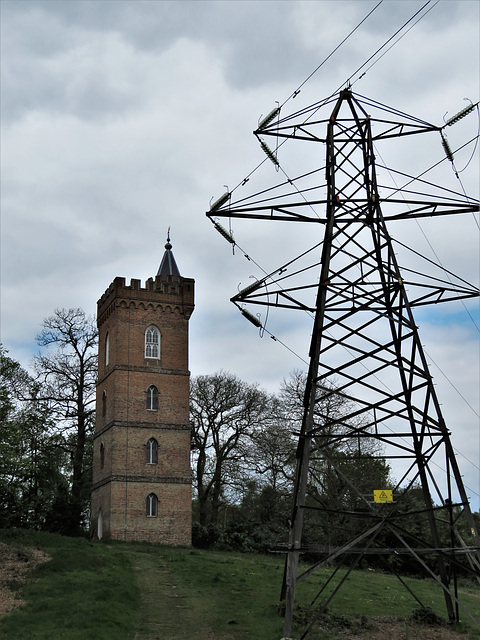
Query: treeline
point(243, 443)
point(243, 446)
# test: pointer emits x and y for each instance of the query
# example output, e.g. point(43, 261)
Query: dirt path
point(166, 613)
point(169, 611)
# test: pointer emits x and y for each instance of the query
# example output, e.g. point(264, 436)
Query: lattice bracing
point(365, 353)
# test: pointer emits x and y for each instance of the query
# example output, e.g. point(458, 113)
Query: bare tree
point(343, 467)
point(271, 452)
point(67, 370)
point(224, 413)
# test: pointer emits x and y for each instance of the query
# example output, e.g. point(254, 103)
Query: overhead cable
point(391, 38)
point(297, 91)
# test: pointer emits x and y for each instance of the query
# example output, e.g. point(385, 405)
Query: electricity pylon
point(365, 349)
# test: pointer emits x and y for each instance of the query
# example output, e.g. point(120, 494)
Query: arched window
point(152, 451)
point(104, 403)
point(152, 342)
point(102, 454)
point(152, 505)
point(107, 349)
point(152, 398)
point(100, 524)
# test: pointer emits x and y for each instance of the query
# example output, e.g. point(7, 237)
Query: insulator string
point(461, 114)
point(446, 147)
point(251, 318)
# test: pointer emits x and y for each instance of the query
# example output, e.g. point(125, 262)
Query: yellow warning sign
point(383, 495)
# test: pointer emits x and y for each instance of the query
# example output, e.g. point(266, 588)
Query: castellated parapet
point(178, 295)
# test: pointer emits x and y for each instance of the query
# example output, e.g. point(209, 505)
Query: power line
point(400, 38)
point(347, 81)
point(297, 91)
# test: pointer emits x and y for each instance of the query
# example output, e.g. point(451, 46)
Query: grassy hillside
point(84, 591)
point(144, 592)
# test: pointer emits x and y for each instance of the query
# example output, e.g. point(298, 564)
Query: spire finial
point(168, 267)
point(168, 246)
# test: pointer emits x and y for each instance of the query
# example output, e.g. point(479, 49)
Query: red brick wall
point(172, 524)
point(122, 478)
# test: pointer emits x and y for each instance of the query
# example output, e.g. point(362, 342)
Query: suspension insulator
point(269, 153)
point(218, 203)
point(222, 231)
point(447, 149)
point(251, 318)
point(251, 287)
point(461, 114)
point(268, 118)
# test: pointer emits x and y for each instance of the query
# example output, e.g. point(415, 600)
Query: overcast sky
point(120, 119)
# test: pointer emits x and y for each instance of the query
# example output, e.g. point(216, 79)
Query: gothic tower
point(141, 456)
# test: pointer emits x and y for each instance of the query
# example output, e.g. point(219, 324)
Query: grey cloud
point(123, 118)
point(54, 52)
point(43, 65)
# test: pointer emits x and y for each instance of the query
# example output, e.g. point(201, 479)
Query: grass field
point(146, 592)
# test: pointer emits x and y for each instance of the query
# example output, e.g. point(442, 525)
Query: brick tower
point(141, 456)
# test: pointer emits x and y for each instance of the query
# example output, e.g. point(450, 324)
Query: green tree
point(67, 372)
point(30, 461)
point(13, 382)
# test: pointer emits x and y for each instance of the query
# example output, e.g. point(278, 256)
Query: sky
point(122, 119)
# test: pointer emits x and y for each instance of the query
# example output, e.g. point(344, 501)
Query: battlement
point(157, 285)
point(164, 293)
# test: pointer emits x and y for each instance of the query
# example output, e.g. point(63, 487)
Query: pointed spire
point(168, 266)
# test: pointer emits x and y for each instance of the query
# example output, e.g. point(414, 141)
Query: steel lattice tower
point(365, 349)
